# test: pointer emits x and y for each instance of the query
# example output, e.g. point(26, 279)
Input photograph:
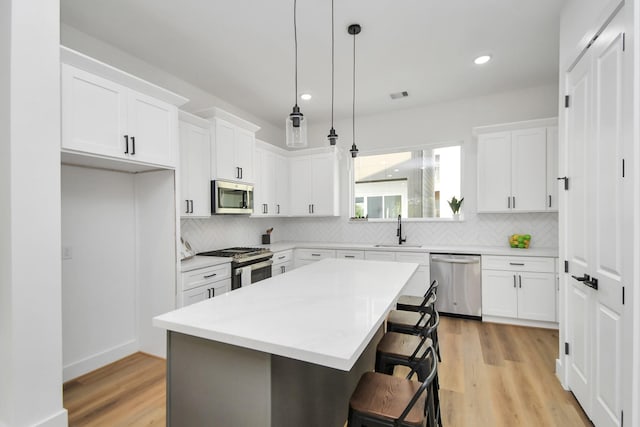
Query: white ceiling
point(242, 50)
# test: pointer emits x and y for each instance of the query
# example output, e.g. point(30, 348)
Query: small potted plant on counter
point(455, 205)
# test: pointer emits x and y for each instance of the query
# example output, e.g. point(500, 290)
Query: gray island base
point(215, 384)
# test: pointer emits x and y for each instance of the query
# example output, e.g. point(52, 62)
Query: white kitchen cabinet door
point(152, 130)
point(224, 153)
point(499, 293)
point(282, 193)
point(244, 146)
point(278, 269)
point(262, 191)
point(537, 296)
point(94, 113)
point(300, 186)
point(418, 283)
point(494, 172)
point(195, 194)
point(323, 188)
point(552, 169)
point(208, 291)
point(528, 170)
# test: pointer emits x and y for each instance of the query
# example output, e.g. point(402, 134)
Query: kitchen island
point(287, 351)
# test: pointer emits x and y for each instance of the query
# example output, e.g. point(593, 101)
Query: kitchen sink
point(395, 245)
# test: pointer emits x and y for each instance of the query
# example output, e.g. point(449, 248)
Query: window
point(414, 184)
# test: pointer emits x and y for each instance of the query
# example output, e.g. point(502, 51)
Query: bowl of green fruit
point(520, 241)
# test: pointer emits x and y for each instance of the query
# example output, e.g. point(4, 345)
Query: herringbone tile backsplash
point(481, 229)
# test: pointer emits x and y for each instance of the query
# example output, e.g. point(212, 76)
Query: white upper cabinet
point(233, 146)
point(314, 185)
point(517, 167)
point(271, 192)
point(195, 169)
point(104, 118)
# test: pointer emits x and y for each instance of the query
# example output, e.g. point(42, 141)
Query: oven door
point(250, 274)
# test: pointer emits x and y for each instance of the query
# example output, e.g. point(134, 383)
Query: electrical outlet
point(67, 252)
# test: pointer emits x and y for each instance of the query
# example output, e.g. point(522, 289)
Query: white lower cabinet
point(203, 283)
point(282, 262)
point(519, 288)
point(419, 282)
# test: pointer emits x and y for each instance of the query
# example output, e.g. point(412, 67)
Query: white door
point(151, 128)
point(260, 186)
point(199, 171)
point(185, 177)
point(596, 235)
point(607, 210)
point(579, 236)
point(322, 185)
point(528, 170)
point(499, 293)
point(282, 186)
point(94, 113)
point(245, 142)
point(494, 172)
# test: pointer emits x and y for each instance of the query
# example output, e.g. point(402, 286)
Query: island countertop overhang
point(325, 313)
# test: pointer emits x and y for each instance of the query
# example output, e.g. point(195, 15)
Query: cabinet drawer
point(281, 268)
point(418, 257)
point(202, 276)
point(280, 257)
point(314, 254)
point(350, 254)
point(535, 264)
point(380, 255)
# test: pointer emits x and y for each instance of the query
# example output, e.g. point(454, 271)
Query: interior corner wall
point(30, 307)
point(198, 98)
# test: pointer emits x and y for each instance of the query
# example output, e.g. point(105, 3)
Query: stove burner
point(240, 254)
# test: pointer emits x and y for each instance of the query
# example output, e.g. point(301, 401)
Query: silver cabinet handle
point(349, 256)
point(516, 263)
point(278, 209)
point(520, 280)
point(514, 280)
point(509, 202)
point(209, 276)
point(316, 254)
point(549, 200)
point(281, 257)
point(514, 202)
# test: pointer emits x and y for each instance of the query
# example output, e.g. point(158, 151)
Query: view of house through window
point(414, 184)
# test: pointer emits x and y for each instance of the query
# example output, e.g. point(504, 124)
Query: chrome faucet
point(399, 231)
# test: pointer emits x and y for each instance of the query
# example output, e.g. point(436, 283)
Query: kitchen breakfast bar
point(286, 351)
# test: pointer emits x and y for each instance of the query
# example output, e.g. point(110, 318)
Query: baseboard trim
point(520, 322)
point(59, 419)
point(91, 363)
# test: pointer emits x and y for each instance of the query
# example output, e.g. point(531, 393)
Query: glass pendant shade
point(296, 126)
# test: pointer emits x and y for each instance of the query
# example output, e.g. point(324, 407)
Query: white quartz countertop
point(324, 313)
point(480, 250)
point(202, 262)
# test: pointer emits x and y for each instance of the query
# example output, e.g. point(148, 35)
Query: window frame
point(378, 151)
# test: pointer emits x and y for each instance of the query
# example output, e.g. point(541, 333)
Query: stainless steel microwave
point(231, 198)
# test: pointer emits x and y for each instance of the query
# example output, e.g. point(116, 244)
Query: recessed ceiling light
point(396, 170)
point(305, 96)
point(482, 59)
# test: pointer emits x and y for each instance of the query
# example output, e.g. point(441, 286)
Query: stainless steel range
point(248, 265)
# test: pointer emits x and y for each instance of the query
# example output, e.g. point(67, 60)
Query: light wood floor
point(490, 375)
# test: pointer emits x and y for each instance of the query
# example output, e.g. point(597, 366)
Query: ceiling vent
point(399, 95)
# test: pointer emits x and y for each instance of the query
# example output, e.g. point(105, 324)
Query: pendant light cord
point(295, 41)
point(332, 63)
point(353, 104)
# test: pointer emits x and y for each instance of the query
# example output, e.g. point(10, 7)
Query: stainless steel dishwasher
point(459, 284)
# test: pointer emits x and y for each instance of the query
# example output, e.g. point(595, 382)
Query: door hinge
point(566, 348)
point(566, 181)
point(566, 101)
point(623, 168)
point(623, 295)
point(566, 266)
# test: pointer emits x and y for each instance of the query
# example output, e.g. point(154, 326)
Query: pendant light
point(333, 136)
point(354, 29)
point(296, 124)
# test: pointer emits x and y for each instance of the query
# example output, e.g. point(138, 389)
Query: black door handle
point(584, 278)
point(593, 283)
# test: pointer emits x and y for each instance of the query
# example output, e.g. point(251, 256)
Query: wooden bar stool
point(408, 350)
point(416, 303)
point(381, 400)
point(414, 323)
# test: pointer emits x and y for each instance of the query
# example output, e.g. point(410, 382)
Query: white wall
point(30, 307)
point(98, 281)
point(198, 99)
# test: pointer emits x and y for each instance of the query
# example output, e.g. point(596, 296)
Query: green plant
point(455, 204)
